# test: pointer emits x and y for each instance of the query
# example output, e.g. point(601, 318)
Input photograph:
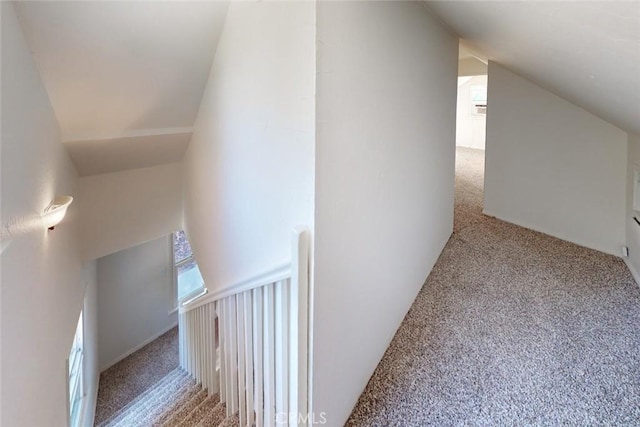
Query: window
point(75, 379)
point(478, 95)
point(188, 279)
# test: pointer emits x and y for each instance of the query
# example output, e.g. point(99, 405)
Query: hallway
point(512, 327)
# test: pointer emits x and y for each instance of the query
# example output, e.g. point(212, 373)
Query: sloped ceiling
point(124, 78)
point(469, 63)
point(585, 52)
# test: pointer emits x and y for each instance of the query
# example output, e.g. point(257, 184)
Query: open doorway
point(471, 113)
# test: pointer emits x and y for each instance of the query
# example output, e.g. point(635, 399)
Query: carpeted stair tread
point(168, 402)
point(206, 406)
point(141, 398)
point(129, 378)
point(177, 373)
point(136, 416)
point(151, 390)
point(176, 404)
point(232, 421)
point(215, 417)
point(185, 409)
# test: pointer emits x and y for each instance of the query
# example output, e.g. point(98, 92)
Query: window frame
point(177, 264)
point(76, 376)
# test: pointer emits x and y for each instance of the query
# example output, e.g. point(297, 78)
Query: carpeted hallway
point(512, 327)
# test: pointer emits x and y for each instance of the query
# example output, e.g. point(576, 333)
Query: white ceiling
point(134, 150)
point(586, 52)
point(116, 68)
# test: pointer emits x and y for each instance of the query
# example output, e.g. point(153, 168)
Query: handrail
point(275, 275)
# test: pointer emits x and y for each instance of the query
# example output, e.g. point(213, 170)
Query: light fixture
point(55, 212)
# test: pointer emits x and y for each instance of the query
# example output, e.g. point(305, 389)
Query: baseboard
point(137, 347)
point(633, 270)
point(588, 245)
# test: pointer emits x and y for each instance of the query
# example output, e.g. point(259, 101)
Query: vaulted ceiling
point(586, 52)
point(124, 78)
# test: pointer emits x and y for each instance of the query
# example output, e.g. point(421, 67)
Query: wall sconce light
point(55, 212)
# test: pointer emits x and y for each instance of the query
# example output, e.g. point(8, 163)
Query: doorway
point(471, 114)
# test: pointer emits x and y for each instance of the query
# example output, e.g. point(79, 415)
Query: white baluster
point(257, 355)
point(205, 349)
point(285, 348)
point(242, 395)
point(280, 343)
point(269, 356)
point(215, 379)
point(190, 343)
point(179, 339)
point(197, 341)
point(248, 340)
point(229, 351)
point(202, 352)
point(220, 307)
point(233, 327)
point(194, 346)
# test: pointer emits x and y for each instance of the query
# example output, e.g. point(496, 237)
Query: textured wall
point(42, 284)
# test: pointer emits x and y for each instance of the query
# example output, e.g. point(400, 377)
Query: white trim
point(136, 348)
point(174, 285)
point(68, 391)
point(85, 420)
point(280, 273)
point(193, 296)
point(589, 245)
point(633, 270)
point(127, 134)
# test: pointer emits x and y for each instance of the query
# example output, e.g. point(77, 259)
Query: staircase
point(175, 401)
point(248, 344)
point(244, 356)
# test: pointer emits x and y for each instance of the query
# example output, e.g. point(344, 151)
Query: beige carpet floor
point(135, 374)
point(511, 328)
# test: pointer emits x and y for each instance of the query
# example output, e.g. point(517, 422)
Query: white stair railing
point(250, 342)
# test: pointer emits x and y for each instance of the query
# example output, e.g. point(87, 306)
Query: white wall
point(249, 167)
point(632, 228)
point(123, 209)
point(387, 76)
point(91, 366)
point(470, 128)
point(42, 278)
point(553, 167)
point(135, 288)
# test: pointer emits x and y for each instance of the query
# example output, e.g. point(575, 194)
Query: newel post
point(299, 329)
